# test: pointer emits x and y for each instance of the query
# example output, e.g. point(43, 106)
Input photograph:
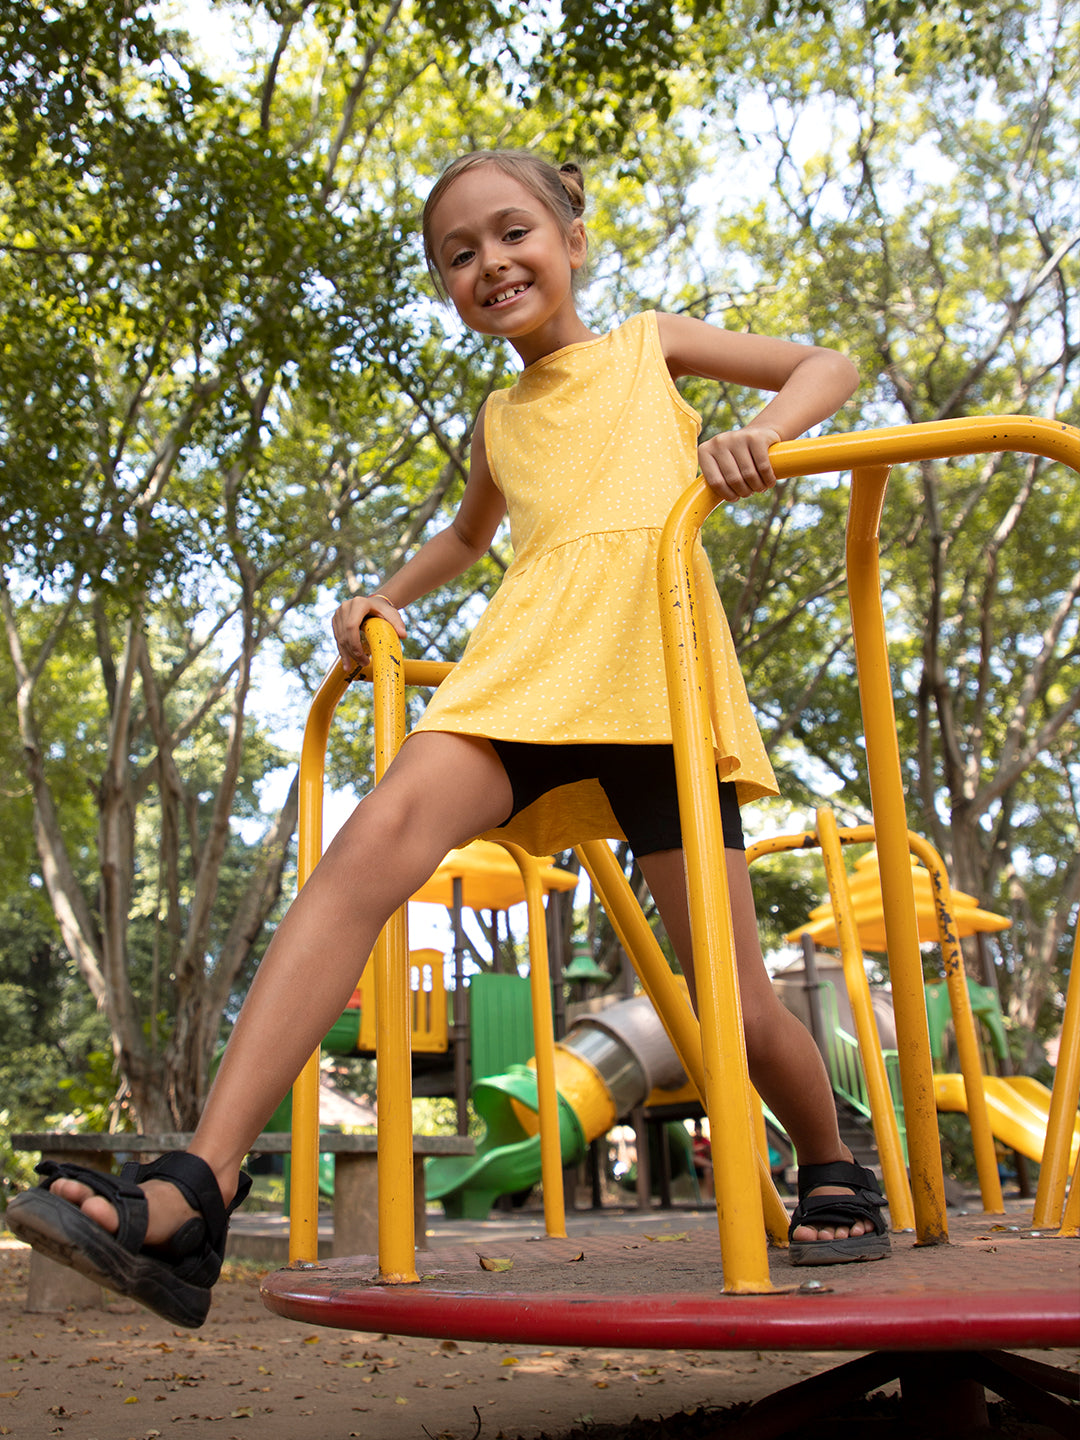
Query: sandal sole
point(852, 1250)
point(60, 1231)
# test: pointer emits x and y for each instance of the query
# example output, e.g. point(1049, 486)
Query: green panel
point(500, 1023)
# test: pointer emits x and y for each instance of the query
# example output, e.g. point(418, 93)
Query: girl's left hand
point(736, 464)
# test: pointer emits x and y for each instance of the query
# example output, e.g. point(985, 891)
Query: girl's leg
point(440, 792)
point(785, 1064)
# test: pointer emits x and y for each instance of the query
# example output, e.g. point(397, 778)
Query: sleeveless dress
point(591, 447)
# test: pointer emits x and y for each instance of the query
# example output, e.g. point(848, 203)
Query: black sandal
point(865, 1204)
point(174, 1280)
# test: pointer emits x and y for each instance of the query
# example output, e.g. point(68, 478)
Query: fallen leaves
point(489, 1262)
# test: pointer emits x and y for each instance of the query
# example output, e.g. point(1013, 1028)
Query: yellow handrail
point(739, 1212)
point(725, 1080)
point(869, 455)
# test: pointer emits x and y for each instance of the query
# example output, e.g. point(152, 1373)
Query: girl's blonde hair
point(561, 190)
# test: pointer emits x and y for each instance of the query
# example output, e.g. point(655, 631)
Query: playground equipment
point(1014, 1109)
point(480, 876)
point(995, 1298)
point(607, 1064)
point(868, 909)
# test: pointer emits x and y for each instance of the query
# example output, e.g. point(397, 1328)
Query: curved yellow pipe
point(740, 1216)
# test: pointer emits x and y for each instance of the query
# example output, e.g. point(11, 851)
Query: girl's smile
point(506, 263)
point(504, 295)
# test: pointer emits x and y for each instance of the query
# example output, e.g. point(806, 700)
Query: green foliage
point(227, 397)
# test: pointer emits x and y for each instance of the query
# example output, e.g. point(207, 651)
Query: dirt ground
point(124, 1374)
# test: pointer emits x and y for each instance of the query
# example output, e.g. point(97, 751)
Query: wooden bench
point(356, 1216)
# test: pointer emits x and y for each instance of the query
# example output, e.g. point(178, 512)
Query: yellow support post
point(669, 1002)
point(393, 1029)
point(890, 823)
point(882, 1113)
point(304, 1176)
point(727, 1086)
point(547, 1095)
point(304, 1183)
point(967, 1043)
point(1070, 1223)
point(1053, 1176)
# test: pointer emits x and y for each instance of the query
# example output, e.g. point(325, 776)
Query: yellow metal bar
point(967, 1043)
point(1070, 1224)
point(637, 939)
point(426, 673)
point(869, 454)
point(882, 1113)
point(959, 998)
point(727, 1087)
point(304, 1175)
point(1050, 1193)
point(393, 999)
point(544, 1044)
point(890, 824)
point(933, 440)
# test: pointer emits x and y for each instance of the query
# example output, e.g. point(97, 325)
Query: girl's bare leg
point(785, 1065)
point(440, 792)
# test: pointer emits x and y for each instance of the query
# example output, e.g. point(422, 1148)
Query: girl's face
point(505, 262)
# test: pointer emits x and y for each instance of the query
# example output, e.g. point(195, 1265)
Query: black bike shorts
point(638, 780)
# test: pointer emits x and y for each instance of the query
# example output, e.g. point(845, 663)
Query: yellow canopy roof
point(490, 878)
point(868, 909)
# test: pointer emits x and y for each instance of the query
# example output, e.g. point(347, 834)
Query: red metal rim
point(937, 1321)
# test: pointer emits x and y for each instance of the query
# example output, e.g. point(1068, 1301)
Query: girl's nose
point(495, 264)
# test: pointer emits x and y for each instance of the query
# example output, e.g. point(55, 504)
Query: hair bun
point(573, 182)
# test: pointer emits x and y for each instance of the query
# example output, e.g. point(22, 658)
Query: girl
point(553, 729)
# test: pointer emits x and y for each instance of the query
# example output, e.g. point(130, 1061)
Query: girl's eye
point(461, 258)
point(517, 233)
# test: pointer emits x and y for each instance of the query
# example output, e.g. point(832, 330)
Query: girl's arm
point(811, 383)
point(446, 555)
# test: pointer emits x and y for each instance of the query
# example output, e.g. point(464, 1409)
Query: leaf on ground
point(659, 1239)
point(488, 1262)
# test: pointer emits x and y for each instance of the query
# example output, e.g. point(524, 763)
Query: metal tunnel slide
point(606, 1065)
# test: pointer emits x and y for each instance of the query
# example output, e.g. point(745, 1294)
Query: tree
point(224, 391)
point(927, 224)
point(207, 309)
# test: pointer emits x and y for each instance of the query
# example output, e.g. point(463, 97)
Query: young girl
point(553, 729)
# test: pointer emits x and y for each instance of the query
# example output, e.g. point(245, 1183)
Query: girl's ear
point(577, 244)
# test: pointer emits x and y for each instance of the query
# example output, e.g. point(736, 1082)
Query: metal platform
point(995, 1286)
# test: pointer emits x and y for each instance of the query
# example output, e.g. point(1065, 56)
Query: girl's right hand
point(348, 632)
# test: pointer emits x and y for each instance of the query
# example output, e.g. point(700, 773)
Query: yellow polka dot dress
point(591, 447)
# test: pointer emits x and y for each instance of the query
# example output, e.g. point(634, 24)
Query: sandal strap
point(127, 1199)
point(840, 1172)
point(819, 1210)
point(866, 1203)
point(195, 1180)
